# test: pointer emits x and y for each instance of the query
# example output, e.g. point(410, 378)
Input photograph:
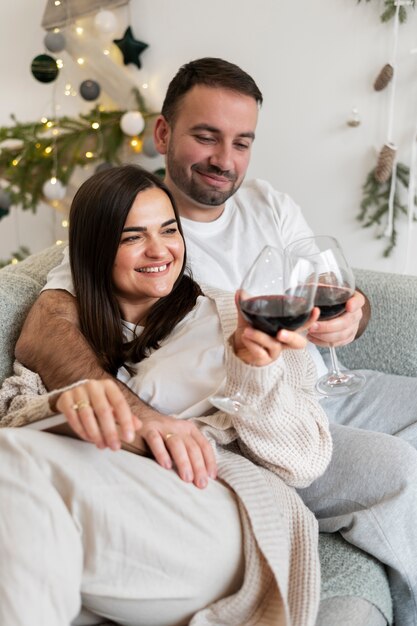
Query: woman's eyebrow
point(142, 229)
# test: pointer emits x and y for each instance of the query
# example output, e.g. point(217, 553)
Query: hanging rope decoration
point(380, 192)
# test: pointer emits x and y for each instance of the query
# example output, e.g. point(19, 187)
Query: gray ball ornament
point(54, 42)
point(90, 89)
point(149, 148)
point(5, 200)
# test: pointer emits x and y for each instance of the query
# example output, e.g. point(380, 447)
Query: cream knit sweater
point(285, 444)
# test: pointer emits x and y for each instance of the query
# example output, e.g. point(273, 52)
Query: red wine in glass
point(271, 299)
point(331, 300)
point(272, 313)
point(335, 286)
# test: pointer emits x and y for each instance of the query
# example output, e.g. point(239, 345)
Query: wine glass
point(272, 297)
point(336, 284)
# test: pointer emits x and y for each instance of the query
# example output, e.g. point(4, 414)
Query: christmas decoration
point(5, 201)
point(47, 159)
point(384, 77)
point(375, 201)
point(104, 166)
point(130, 47)
point(132, 123)
point(54, 42)
point(354, 120)
point(385, 164)
point(53, 189)
point(380, 189)
point(390, 9)
point(105, 22)
point(44, 68)
point(149, 148)
point(60, 13)
point(17, 256)
point(90, 89)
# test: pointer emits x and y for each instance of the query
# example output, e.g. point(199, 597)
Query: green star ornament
point(130, 47)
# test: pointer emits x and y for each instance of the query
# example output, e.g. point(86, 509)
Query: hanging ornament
point(53, 189)
point(5, 200)
point(44, 68)
point(354, 119)
point(149, 148)
point(104, 166)
point(130, 47)
point(132, 123)
point(105, 22)
point(90, 89)
point(54, 42)
point(385, 162)
point(384, 77)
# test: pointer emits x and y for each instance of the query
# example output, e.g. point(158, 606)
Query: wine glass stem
point(240, 394)
point(335, 362)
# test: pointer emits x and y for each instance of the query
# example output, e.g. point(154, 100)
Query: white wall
point(313, 61)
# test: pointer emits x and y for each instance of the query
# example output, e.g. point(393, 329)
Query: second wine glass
point(271, 299)
point(336, 284)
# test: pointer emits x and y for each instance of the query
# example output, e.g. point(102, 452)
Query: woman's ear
point(161, 134)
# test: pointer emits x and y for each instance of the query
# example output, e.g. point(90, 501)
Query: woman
point(149, 323)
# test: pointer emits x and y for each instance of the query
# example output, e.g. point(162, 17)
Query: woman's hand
point(180, 443)
point(257, 348)
point(98, 412)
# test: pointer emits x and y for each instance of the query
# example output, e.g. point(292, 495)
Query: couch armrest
point(20, 285)
point(389, 344)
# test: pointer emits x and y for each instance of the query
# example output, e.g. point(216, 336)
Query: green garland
point(375, 202)
point(17, 256)
point(55, 148)
point(390, 8)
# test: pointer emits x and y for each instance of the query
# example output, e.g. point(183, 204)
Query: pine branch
point(42, 149)
point(375, 203)
point(390, 9)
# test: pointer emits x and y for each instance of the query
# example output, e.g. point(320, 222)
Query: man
point(206, 131)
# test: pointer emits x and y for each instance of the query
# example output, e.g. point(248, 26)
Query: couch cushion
point(20, 285)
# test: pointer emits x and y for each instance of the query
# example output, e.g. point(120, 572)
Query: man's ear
point(160, 134)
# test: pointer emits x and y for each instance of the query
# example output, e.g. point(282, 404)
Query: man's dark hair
point(212, 72)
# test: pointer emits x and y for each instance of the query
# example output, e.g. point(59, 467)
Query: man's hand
point(345, 328)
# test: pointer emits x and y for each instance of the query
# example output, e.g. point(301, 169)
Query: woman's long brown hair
point(97, 217)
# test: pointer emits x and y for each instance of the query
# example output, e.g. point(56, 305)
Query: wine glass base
point(232, 406)
point(345, 383)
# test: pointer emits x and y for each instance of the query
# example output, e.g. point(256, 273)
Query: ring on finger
point(81, 405)
point(168, 436)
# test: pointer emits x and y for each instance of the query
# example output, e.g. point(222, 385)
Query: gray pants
point(369, 491)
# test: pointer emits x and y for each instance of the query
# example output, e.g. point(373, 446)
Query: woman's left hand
point(257, 348)
point(98, 413)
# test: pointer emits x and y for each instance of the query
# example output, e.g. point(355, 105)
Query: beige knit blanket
point(285, 444)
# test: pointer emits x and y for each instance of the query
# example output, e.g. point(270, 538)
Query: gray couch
point(355, 590)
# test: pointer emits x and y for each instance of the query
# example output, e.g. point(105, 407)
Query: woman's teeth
point(160, 268)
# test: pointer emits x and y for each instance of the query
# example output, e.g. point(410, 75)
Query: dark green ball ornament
point(44, 68)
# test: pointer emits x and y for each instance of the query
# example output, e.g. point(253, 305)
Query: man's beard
point(199, 192)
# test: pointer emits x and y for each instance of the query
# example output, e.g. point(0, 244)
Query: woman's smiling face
point(150, 255)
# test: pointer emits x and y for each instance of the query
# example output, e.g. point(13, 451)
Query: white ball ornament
point(53, 189)
point(132, 123)
point(105, 22)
